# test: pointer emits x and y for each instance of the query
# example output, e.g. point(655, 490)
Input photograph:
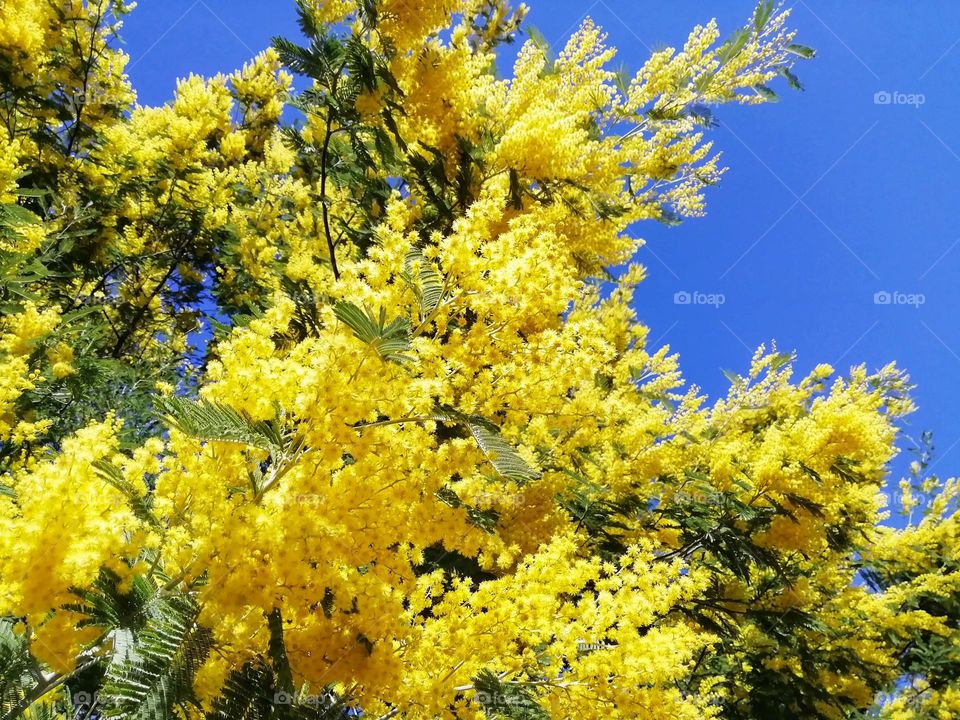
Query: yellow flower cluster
point(25, 35)
point(65, 523)
point(404, 560)
point(517, 336)
point(20, 334)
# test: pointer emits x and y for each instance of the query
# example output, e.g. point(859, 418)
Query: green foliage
point(140, 503)
point(110, 607)
point(598, 516)
point(426, 282)
point(210, 421)
point(18, 670)
point(803, 51)
point(156, 676)
point(215, 422)
point(388, 340)
point(264, 689)
point(155, 650)
point(483, 518)
point(501, 454)
point(509, 700)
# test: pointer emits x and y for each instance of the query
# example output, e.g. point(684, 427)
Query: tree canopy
point(334, 402)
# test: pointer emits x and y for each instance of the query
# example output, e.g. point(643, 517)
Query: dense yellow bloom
point(10, 151)
point(65, 524)
point(457, 458)
point(25, 33)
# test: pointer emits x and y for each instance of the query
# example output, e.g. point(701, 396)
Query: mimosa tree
point(353, 413)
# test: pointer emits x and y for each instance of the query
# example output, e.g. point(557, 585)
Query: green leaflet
point(499, 698)
point(211, 421)
point(12, 214)
point(389, 341)
point(140, 503)
point(501, 454)
point(16, 666)
point(157, 677)
point(426, 282)
point(207, 420)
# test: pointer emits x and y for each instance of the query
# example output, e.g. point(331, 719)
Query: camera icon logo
point(82, 698)
point(682, 298)
point(282, 698)
point(882, 97)
point(882, 297)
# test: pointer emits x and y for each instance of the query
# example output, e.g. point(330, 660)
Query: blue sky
point(835, 232)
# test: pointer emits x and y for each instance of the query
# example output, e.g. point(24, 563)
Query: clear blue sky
point(831, 198)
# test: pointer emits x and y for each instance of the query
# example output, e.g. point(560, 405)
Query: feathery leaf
point(389, 341)
point(501, 454)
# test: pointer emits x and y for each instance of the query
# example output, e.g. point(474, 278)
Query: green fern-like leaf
point(507, 700)
point(277, 651)
point(426, 282)
point(42, 711)
point(157, 677)
point(139, 503)
point(104, 605)
point(389, 340)
point(253, 693)
point(501, 454)
point(207, 420)
point(483, 518)
point(247, 694)
point(16, 667)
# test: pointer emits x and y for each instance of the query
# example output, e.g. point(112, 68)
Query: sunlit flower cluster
point(635, 561)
